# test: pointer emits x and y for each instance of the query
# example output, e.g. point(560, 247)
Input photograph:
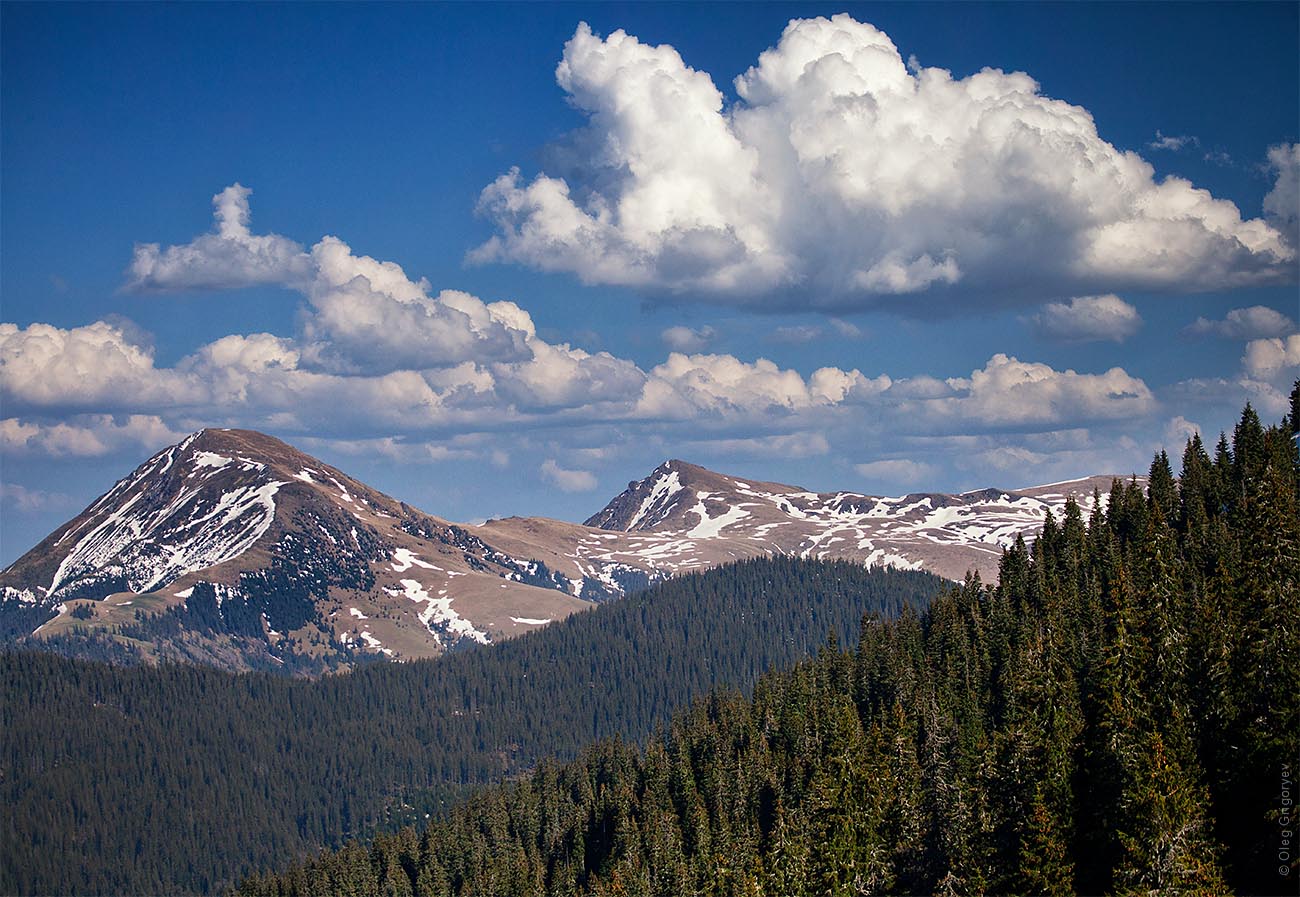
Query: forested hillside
point(178, 779)
point(1120, 714)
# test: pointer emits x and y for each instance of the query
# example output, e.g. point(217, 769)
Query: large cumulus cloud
point(98, 366)
point(842, 175)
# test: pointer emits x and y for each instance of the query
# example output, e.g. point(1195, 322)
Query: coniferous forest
point(1119, 714)
point(179, 779)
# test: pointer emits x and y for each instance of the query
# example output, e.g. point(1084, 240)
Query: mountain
point(235, 549)
point(685, 517)
point(258, 555)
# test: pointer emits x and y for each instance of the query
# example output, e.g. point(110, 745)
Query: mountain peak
point(670, 491)
point(249, 445)
point(263, 554)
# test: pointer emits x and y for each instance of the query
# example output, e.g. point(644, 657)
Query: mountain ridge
point(235, 548)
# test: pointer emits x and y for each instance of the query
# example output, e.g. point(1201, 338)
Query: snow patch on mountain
point(24, 596)
point(404, 559)
point(656, 504)
point(708, 527)
point(160, 545)
point(440, 618)
point(210, 459)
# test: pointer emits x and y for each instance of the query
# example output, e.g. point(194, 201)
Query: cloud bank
point(383, 364)
point(844, 177)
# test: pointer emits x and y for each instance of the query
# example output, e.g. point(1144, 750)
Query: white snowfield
point(155, 543)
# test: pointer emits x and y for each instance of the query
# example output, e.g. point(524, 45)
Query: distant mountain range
point(235, 549)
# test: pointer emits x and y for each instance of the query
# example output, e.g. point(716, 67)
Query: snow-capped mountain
point(272, 553)
point(237, 549)
point(683, 517)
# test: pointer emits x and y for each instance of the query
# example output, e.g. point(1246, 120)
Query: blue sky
point(954, 280)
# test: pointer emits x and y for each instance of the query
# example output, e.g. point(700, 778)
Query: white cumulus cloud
point(841, 177)
point(85, 435)
point(95, 367)
point(681, 338)
point(227, 258)
point(686, 386)
point(1010, 392)
point(567, 480)
point(1088, 318)
point(384, 366)
point(1266, 358)
point(1255, 322)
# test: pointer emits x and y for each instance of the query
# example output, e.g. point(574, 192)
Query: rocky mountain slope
point(234, 548)
point(684, 517)
point(260, 555)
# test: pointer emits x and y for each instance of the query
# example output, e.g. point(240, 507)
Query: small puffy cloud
point(1087, 319)
point(681, 338)
point(365, 316)
point(843, 175)
point(1179, 430)
point(795, 334)
point(227, 258)
point(1255, 322)
point(24, 500)
point(898, 471)
point(370, 317)
point(567, 480)
point(16, 435)
point(687, 385)
point(1171, 142)
point(922, 386)
point(564, 377)
point(846, 329)
point(1266, 358)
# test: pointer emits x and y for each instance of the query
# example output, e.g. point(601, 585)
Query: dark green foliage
point(1115, 716)
point(18, 618)
point(178, 779)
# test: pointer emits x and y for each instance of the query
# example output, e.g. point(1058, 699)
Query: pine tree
point(1162, 491)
